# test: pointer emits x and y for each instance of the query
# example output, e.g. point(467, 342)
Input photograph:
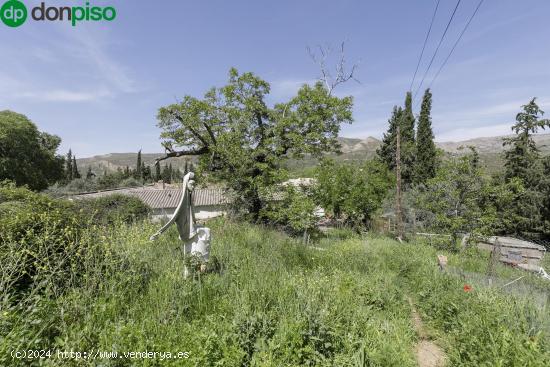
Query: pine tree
point(523, 157)
point(426, 152)
point(69, 166)
point(76, 174)
point(138, 173)
point(522, 161)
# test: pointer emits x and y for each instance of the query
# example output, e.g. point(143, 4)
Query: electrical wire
point(456, 43)
point(437, 49)
point(424, 46)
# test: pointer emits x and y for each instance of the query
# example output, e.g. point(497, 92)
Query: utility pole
point(398, 211)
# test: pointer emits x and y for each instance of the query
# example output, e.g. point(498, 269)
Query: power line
point(437, 49)
point(424, 46)
point(457, 41)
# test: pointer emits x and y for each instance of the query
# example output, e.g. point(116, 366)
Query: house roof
point(164, 198)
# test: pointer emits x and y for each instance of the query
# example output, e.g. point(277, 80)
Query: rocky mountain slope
point(489, 148)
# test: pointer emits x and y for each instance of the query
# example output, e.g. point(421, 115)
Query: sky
point(99, 85)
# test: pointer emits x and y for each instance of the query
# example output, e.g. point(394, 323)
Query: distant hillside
point(490, 150)
point(113, 161)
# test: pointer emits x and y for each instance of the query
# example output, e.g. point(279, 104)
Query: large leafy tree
point(452, 201)
point(426, 152)
point(27, 155)
point(243, 141)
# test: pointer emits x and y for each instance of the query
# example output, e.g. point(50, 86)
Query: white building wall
point(201, 212)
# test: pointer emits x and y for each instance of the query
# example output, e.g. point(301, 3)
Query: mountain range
point(490, 149)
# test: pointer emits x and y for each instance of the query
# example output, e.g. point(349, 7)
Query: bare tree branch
point(173, 154)
point(326, 77)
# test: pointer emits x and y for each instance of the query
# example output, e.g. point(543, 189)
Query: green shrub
point(112, 209)
point(39, 240)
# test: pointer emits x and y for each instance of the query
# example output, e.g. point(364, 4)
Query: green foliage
point(244, 142)
point(522, 161)
point(387, 151)
point(69, 166)
point(404, 119)
point(426, 160)
point(28, 156)
point(38, 241)
point(408, 144)
point(75, 172)
point(352, 192)
point(295, 212)
point(111, 209)
point(138, 174)
point(459, 199)
point(277, 303)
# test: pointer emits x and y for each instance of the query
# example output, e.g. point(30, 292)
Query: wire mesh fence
point(521, 286)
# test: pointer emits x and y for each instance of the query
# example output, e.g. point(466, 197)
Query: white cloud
point(62, 95)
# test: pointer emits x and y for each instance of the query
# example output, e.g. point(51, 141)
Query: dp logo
point(13, 13)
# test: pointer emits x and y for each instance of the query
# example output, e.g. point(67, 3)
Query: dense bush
point(352, 192)
point(112, 209)
point(39, 240)
point(295, 213)
point(49, 251)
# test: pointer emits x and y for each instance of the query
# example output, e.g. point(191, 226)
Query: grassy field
point(277, 303)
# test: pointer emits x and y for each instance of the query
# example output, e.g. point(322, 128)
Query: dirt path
point(428, 354)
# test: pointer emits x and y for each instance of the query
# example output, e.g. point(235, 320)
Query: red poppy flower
point(467, 288)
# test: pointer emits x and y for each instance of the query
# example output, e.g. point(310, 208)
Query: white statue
point(196, 239)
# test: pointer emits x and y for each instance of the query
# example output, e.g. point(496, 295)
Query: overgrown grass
point(275, 303)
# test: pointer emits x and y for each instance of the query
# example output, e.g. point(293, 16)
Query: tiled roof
point(167, 198)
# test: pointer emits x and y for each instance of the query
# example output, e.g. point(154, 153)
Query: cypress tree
point(407, 124)
point(69, 166)
point(75, 173)
point(426, 152)
point(386, 152)
point(157, 172)
point(404, 118)
point(186, 168)
point(138, 173)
